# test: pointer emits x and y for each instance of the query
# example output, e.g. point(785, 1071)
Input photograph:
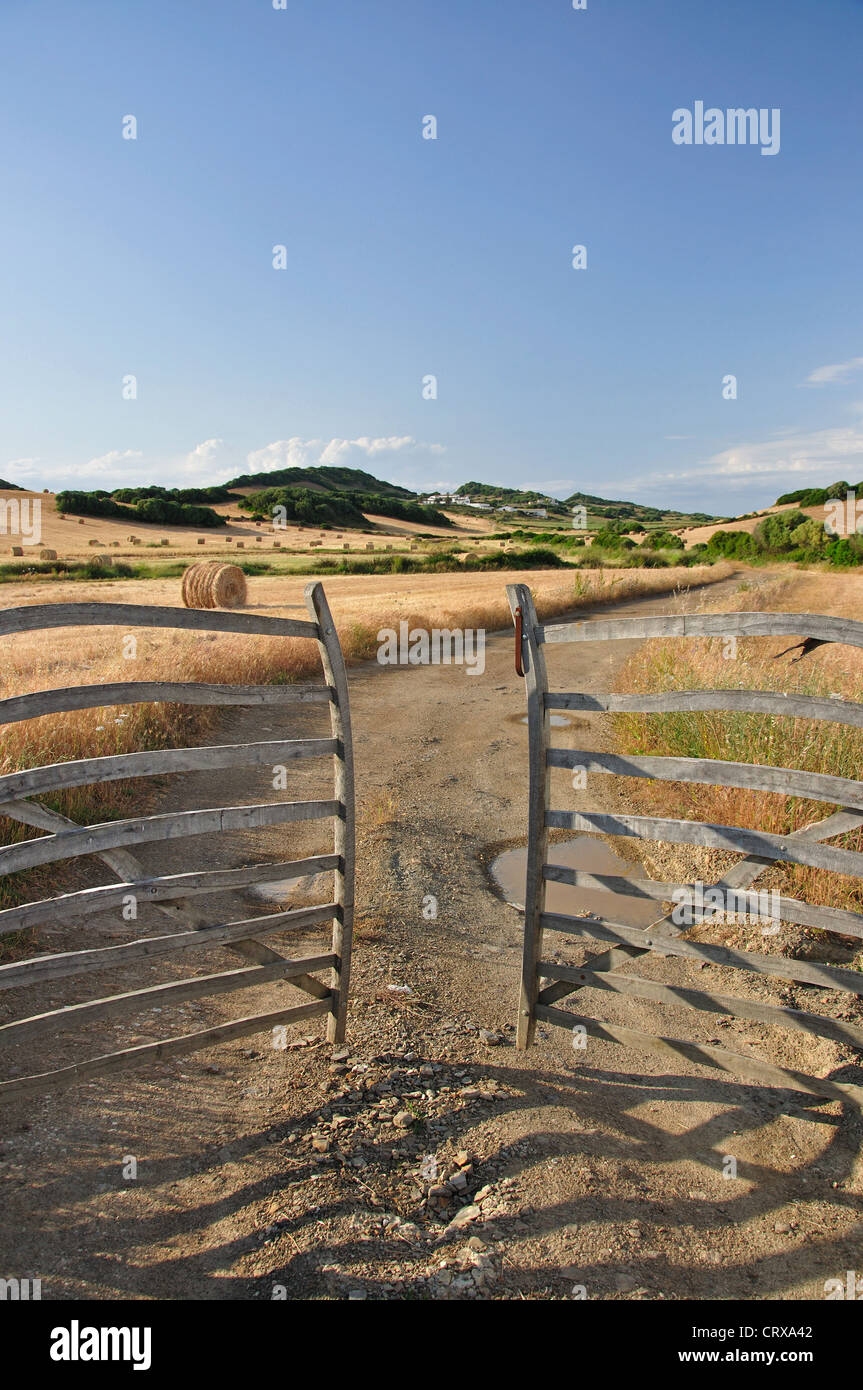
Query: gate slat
point(707, 701)
point(76, 697)
point(41, 617)
point(91, 901)
point(62, 965)
point(827, 629)
point(786, 781)
point(833, 919)
point(687, 832)
point(82, 772)
point(175, 825)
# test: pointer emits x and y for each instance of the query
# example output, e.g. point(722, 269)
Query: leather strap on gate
point(519, 669)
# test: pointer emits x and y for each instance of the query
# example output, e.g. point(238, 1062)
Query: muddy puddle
point(591, 855)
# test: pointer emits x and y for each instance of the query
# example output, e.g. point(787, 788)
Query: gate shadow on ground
point(594, 1096)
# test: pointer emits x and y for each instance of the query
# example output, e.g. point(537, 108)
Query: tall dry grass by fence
point(813, 745)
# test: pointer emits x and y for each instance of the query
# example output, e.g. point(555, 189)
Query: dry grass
point(813, 745)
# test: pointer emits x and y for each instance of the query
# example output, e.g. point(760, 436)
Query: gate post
point(344, 835)
point(538, 731)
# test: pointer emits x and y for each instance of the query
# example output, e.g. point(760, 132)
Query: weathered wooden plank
point(538, 728)
point(175, 825)
point(798, 1020)
point(814, 786)
point(63, 965)
point(153, 762)
point(741, 901)
point(91, 901)
point(39, 617)
point(178, 991)
point(787, 848)
point(750, 1069)
point(77, 697)
point(126, 866)
point(344, 830)
point(827, 629)
point(53, 1081)
point(806, 972)
point(737, 701)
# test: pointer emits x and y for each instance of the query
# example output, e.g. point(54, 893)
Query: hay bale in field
point(47, 555)
point(102, 559)
point(241, 545)
point(201, 540)
point(277, 545)
point(213, 585)
point(80, 521)
point(164, 541)
point(345, 545)
point(259, 539)
point(17, 550)
point(370, 545)
point(93, 541)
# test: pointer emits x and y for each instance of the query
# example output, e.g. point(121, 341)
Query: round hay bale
point(227, 587)
point(102, 559)
point(241, 545)
point(213, 585)
point(47, 555)
point(17, 550)
point(202, 540)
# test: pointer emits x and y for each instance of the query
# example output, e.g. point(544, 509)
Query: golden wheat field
point(74, 537)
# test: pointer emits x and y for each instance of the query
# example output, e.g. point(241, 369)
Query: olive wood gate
point(545, 982)
point(173, 894)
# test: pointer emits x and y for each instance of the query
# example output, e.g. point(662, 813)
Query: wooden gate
point(173, 894)
point(544, 982)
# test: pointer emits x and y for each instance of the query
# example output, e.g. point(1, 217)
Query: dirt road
point(264, 1173)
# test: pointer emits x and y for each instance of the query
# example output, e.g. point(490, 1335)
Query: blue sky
point(407, 257)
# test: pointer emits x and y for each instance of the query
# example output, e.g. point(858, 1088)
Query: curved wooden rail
point(697, 701)
point(84, 772)
point(39, 617)
point(787, 781)
point(788, 848)
point(741, 901)
point(74, 697)
point(90, 901)
point(826, 629)
point(175, 825)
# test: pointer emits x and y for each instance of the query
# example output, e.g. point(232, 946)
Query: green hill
point(323, 479)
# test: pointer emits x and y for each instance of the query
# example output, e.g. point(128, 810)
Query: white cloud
point(203, 458)
point(107, 463)
point(825, 455)
point(311, 453)
point(836, 371)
